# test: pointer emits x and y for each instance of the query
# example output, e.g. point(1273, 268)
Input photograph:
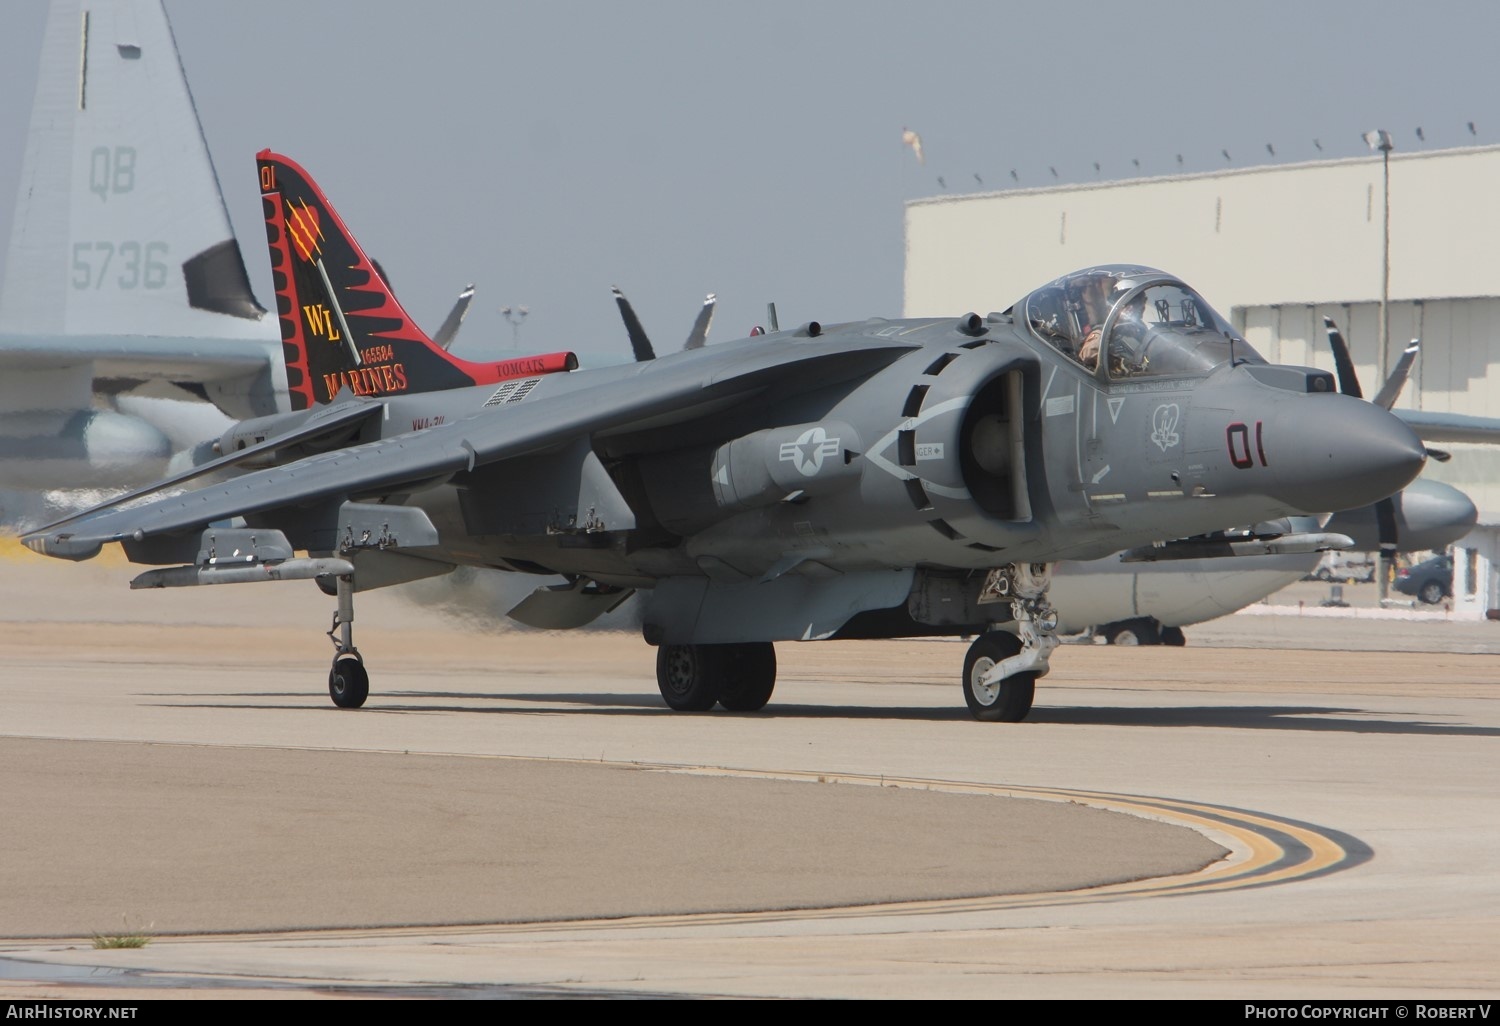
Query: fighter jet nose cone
point(1347, 453)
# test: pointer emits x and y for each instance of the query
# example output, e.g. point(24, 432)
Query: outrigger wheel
point(348, 683)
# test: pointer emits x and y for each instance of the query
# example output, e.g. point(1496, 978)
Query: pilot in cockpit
point(1161, 328)
point(1127, 338)
point(1097, 295)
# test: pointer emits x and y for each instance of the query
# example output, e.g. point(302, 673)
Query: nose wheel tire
point(1007, 700)
point(348, 683)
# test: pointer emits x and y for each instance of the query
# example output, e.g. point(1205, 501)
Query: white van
point(1346, 567)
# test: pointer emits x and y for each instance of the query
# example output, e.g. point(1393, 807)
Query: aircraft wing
point(1451, 427)
point(131, 359)
point(658, 393)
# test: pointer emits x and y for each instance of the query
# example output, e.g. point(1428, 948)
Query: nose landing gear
point(1007, 699)
point(1001, 668)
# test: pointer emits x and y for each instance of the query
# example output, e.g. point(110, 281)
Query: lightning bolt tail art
point(341, 326)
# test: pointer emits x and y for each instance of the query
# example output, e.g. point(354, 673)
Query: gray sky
point(546, 151)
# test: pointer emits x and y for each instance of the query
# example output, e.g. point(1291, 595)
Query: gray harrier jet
point(871, 479)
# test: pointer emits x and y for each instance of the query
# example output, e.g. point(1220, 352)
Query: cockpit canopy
point(1147, 323)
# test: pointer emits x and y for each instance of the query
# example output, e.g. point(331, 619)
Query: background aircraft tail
point(341, 326)
point(125, 309)
point(120, 228)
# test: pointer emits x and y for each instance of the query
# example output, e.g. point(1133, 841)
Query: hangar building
point(1275, 249)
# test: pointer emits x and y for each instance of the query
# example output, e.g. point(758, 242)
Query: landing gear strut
point(348, 683)
point(1001, 668)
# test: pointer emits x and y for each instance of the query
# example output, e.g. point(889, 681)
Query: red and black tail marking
point(341, 327)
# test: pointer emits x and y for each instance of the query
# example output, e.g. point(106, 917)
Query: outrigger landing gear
point(1001, 668)
point(348, 683)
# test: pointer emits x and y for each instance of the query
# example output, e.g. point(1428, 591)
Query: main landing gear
point(348, 683)
point(1001, 668)
point(694, 678)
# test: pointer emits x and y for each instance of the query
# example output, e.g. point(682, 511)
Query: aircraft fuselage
point(967, 451)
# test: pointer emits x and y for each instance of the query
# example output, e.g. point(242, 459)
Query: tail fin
point(341, 326)
point(120, 226)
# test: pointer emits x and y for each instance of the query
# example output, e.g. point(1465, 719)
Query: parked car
point(1431, 580)
point(1346, 567)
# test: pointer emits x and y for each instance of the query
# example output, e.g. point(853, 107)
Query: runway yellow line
point(1258, 854)
point(1264, 850)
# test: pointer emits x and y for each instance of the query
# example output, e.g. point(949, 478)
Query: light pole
point(515, 317)
point(1380, 139)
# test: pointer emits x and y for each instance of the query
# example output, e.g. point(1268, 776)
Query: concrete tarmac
point(1289, 807)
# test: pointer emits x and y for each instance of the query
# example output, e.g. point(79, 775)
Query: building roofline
point(1258, 169)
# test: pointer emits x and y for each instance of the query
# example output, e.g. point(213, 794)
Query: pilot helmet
point(1091, 283)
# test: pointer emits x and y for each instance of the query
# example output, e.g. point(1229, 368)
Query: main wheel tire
point(1006, 701)
point(749, 676)
point(690, 677)
point(348, 682)
point(1173, 636)
point(1431, 593)
point(1134, 632)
